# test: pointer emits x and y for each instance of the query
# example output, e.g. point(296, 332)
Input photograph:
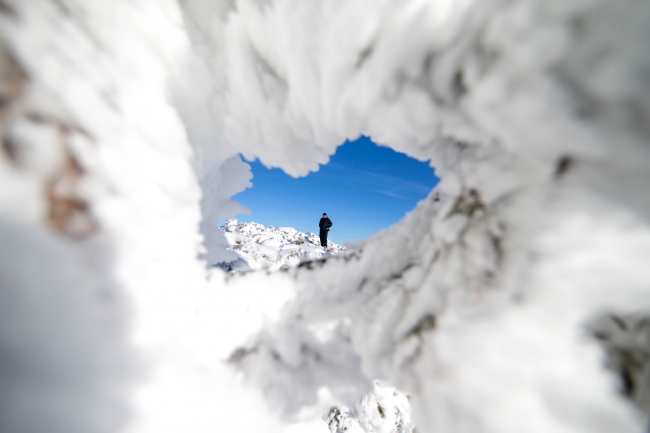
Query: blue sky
point(364, 188)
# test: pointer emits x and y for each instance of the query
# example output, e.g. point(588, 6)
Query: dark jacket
point(325, 224)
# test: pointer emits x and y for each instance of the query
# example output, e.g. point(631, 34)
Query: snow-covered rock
point(270, 248)
point(383, 410)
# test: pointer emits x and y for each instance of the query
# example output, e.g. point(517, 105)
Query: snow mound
point(269, 248)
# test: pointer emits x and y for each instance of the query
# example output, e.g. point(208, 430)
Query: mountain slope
point(270, 248)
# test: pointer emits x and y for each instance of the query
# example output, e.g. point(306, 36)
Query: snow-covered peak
point(271, 248)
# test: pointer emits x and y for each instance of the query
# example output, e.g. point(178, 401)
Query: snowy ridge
point(270, 248)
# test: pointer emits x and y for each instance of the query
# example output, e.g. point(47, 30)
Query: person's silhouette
point(324, 225)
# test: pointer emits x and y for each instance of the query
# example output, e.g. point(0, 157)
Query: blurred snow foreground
point(515, 298)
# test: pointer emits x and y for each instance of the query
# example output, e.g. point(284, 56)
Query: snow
point(513, 298)
point(265, 247)
point(384, 410)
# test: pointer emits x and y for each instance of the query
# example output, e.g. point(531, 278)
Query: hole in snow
point(364, 188)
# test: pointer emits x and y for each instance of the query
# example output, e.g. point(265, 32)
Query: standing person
point(324, 224)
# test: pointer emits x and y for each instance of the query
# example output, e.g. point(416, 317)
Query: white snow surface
point(266, 247)
point(383, 410)
point(501, 304)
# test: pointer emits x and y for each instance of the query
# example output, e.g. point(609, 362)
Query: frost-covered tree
point(514, 298)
